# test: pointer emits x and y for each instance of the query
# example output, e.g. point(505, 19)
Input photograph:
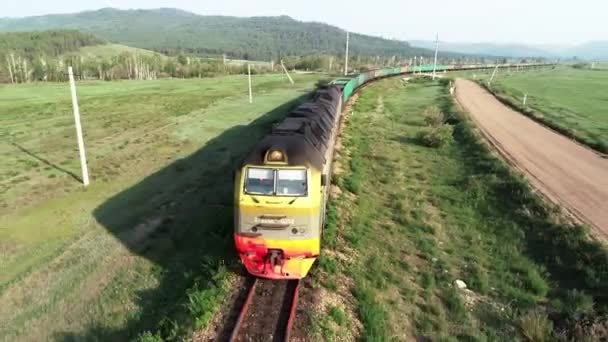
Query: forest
point(45, 55)
point(172, 31)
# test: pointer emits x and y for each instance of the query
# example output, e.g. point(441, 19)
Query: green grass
point(148, 245)
point(572, 101)
point(423, 217)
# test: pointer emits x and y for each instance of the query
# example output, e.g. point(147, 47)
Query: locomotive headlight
point(298, 231)
point(276, 156)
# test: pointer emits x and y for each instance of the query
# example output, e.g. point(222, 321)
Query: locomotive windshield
point(276, 182)
point(259, 181)
point(291, 182)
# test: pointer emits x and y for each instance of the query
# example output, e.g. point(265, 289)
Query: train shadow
point(180, 218)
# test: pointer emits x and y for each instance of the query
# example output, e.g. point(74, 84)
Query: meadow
point(412, 219)
point(570, 100)
point(147, 246)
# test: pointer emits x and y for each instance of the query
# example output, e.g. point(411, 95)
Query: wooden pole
point(249, 73)
point(83, 158)
point(346, 57)
point(286, 73)
point(436, 49)
point(493, 74)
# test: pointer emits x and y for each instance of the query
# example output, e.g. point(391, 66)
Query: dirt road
point(567, 173)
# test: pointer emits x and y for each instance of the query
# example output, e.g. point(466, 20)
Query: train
point(281, 189)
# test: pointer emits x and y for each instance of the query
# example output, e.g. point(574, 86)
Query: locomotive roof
point(297, 136)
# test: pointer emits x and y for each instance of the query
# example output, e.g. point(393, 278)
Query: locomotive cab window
point(273, 182)
point(291, 183)
point(260, 181)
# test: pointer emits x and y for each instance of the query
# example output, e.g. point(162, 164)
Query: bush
point(436, 136)
point(148, 337)
point(535, 326)
point(433, 116)
point(576, 304)
point(337, 315)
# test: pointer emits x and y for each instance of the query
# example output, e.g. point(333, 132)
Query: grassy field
point(570, 100)
point(411, 220)
point(148, 244)
point(601, 66)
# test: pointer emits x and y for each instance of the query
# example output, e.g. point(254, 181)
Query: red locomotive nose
point(272, 263)
point(265, 263)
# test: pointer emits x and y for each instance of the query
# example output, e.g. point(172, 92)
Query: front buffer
point(277, 259)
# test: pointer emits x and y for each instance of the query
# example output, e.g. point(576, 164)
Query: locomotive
point(282, 187)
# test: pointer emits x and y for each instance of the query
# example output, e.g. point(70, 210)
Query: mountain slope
point(490, 49)
point(49, 43)
point(589, 50)
point(173, 31)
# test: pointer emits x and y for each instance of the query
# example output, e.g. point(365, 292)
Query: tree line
point(45, 56)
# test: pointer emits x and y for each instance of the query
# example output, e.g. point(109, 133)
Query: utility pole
point(83, 157)
point(286, 73)
point(249, 73)
point(436, 49)
point(346, 57)
point(493, 74)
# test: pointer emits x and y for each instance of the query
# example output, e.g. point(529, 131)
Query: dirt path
point(567, 173)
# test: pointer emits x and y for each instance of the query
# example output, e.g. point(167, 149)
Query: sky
point(552, 22)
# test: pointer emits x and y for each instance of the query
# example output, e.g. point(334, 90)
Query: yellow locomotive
point(282, 188)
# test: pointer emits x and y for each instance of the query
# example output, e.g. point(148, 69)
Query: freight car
point(281, 189)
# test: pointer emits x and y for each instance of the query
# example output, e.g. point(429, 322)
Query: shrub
point(436, 136)
point(337, 315)
point(535, 326)
point(328, 264)
point(577, 303)
point(373, 315)
point(433, 116)
point(148, 337)
point(352, 184)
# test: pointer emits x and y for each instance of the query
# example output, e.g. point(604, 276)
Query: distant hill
point(489, 49)
point(46, 43)
point(590, 50)
point(172, 31)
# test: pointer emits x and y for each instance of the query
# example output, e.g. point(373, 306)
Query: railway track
point(267, 311)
